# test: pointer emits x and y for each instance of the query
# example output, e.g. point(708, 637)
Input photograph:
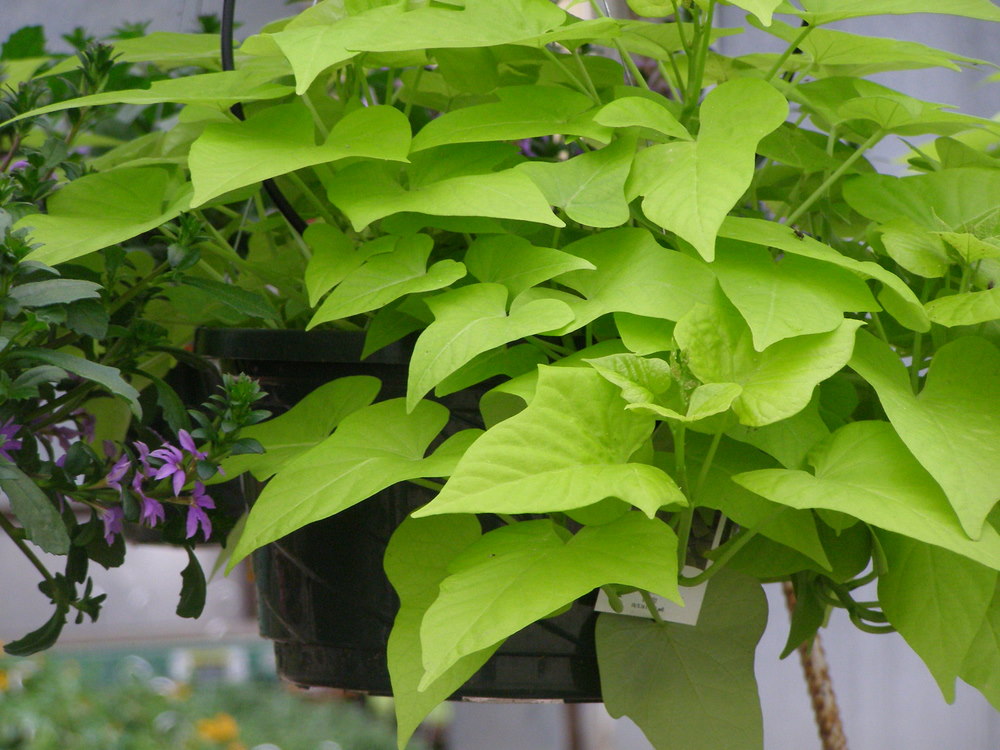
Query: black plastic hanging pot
point(323, 595)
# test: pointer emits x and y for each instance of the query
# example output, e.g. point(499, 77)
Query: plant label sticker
point(633, 604)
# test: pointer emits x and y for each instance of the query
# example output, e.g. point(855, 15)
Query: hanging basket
point(323, 596)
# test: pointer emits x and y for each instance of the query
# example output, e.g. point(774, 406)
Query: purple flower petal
point(152, 512)
point(112, 518)
point(118, 471)
point(188, 444)
point(197, 517)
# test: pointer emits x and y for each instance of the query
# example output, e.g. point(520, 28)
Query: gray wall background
point(887, 697)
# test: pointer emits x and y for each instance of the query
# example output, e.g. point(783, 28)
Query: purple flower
point(146, 469)
point(172, 458)
point(112, 518)
point(187, 443)
point(151, 511)
point(7, 442)
point(117, 473)
point(196, 513)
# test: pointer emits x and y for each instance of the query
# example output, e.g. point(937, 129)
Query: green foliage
point(684, 285)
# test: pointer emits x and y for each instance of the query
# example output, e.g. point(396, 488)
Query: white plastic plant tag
point(633, 604)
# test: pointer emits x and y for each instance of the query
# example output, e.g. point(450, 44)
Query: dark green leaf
point(35, 510)
point(193, 588)
point(242, 301)
point(41, 639)
point(54, 292)
point(88, 318)
point(109, 377)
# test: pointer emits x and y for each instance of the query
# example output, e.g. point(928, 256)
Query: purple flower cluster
point(166, 462)
point(7, 442)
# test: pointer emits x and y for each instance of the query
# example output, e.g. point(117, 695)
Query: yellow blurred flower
point(4, 681)
point(219, 728)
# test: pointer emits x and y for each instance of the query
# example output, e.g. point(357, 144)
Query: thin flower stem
point(706, 465)
point(837, 174)
point(580, 85)
point(427, 484)
point(729, 551)
point(416, 83)
point(680, 31)
point(15, 144)
point(311, 196)
point(12, 531)
point(647, 599)
point(588, 81)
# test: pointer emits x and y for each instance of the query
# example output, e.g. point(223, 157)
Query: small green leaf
point(54, 292)
point(689, 187)
point(334, 256)
point(102, 209)
point(193, 588)
point(366, 193)
point(373, 448)
point(522, 112)
point(966, 309)
point(864, 469)
point(568, 449)
point(469, 321)
point(243, 301)
point(517, 264)
point(937, 600)
point(385, 277)
point(306, 424)
point(642, 112)
point(281, 139)
point(434, 542)
point(689, 686)
point(953, 426)
point(108, 377)
point(33, 508)
point(170, 49)
point(42, 638)
point(589, 187)
point(777, 382)
point(521, 573)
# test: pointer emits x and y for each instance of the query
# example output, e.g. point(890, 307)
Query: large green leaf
point(517, 264)
point(689, 187)
point(818, 12)
point(521, 573)
point(589, 187)
point(373, 448)
point(388, 276)
point(635, 274)
point(366, 193)
point(788, 440)
point(469, 321)
point(953, 426)
point(568, 449)
point(937, 600)
point(788, 296)
point(170, 49)
point(307, 423)
point(281, 139)
point(482, 23)
point(434, 542)
point(865, 470)
point(898, 299)
point(54, 292)
point(689, 686)
point(104, 208)
point(214, 89)
point(982, 664)
point(777, 382)
point(966, 309)
point(522, 112)
point(109, 378)
point(33, 508)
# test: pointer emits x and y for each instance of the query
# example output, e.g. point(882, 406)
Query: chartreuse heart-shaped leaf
point(689, 187)
point(777, 382)
point(373, 448)
point(981, 668)
point(366, 193)
point(307, 423)
point(281, 139)
point(634, 274)
point(590, 187)
point(517, 264)
point(37, 513)
point(387, 276)
point(214, 89)
point(914, 248)
point(568, 449)
point(335, 257)
point(864, 469)
point(787, 296)
point(953, 426)
point(522, 112)
point(689, 686)
point(434, 542)
point(389, 28)
point(642, 112)
point(521, 573)
point(787, 440)
point(966, 309)
point(937, 600)
point(510, 361)
point(897, 298)
point(469, 321)
point(101, 209)
point(818, 12)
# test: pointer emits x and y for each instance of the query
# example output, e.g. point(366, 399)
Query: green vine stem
point(647, 599)
point(789, 51)
point(17, 537)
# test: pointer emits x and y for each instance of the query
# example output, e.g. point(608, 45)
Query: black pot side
point(323, 596)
